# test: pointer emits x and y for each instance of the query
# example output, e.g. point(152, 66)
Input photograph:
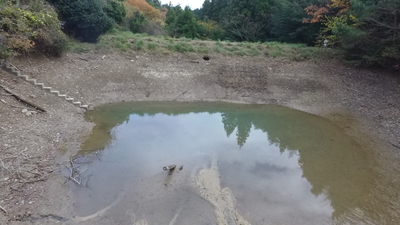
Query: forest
point(367, 31)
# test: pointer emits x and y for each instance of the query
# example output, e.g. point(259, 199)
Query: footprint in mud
point(208, 184)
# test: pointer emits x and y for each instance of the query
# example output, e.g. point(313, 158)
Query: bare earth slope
point(33, 149)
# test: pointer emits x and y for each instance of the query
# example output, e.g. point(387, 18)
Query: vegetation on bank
point(127, 42)
point(366, 32)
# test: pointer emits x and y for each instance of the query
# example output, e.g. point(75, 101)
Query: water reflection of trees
point(334, 164)
point(241, 123)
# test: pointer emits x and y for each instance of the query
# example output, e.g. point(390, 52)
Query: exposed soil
point(34, 149)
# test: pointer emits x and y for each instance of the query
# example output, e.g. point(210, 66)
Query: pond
point(235, 164)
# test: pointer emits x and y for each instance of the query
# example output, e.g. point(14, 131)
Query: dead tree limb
point(193, 61)
point(3, 209)
point(394, 145)
point(33, 105)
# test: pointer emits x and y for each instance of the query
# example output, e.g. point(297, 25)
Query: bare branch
point(385, 25)
point(3, 209)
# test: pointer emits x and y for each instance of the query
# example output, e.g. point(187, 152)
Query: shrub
point(154, 28)
point(34, 28)
point(139, 45)
point(151, 45)
point(180, 47)
point(137, 22)
point(83, 19)
point(115, 10)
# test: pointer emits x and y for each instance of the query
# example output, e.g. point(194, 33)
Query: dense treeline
point(367, 30)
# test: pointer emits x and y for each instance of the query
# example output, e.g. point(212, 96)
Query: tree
point(83, 19)
point(248, 19)
point(146, 9)
point(181, 22)
point(137, 22)
point(368, 31)
point(373, 37)
point(328, 15)
point(155, 3)
point(115, 10)
point(286, 23)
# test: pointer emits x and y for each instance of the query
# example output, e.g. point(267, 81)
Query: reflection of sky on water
point(281, 164)
point(260, 176)
point(274, 182)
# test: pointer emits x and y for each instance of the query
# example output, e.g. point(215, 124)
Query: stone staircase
point(15, 71)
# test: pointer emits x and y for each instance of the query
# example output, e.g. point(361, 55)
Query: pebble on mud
point(169, 168)
point(24, 111)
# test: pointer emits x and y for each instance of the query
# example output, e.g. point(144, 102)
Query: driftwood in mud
point(75, 174)
point(19, 98)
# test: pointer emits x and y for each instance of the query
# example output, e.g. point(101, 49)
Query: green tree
point(83, 19)
point(115, 10)
point(155, 3)
point(182, 23)
point(286, 23)
point(247, 20)
point(373, 36)
point(137, 22)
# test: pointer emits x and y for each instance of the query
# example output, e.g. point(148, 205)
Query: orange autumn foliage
point(317, 13)
point(343, 5)
point(338, 7)
point(146, 9)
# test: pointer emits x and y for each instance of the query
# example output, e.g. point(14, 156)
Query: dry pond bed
point(36, 147)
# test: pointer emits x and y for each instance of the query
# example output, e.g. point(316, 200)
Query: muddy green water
point(248, 164)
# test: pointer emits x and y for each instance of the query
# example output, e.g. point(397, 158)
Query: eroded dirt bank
point(365, 103)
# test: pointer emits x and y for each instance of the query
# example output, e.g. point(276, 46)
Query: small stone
point(103, 57)
point(24, 111)
point(132, 60)
point(28, 113)
point(33, 112)
point(169, 168)
point(32, 96)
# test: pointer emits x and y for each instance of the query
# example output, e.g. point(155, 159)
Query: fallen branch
point(394, 145)
point(83, 59)
point(18, 107)
point(34, 181)
point(179, 95)
point(33, 105)
point(193, 61)
point(3, 209)
point(75, 174)
point(4, 166)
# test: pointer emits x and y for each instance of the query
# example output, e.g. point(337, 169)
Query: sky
point(193, 4)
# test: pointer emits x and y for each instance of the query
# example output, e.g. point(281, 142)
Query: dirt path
point(34, 148)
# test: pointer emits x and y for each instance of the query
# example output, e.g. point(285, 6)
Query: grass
point(151, 46)
point(126, 41)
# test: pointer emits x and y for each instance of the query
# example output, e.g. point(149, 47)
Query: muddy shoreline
point(364, 103)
